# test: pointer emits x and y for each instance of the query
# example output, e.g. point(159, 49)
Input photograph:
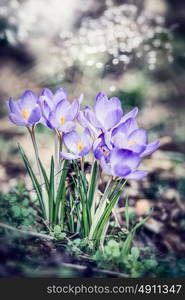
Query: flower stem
point(58, 138)
point(82, 164)
point(45, 196)
point(32, 134)
point(101, 206)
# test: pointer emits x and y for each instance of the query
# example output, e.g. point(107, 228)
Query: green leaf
point(81, 187)
point(105, 215)
point(34, 180)
point(16, 211)
point(46, 180)
point(127, 217)
point(127, 245)
point(51, 192)
point(150, 263)
point(25, 203)
point(135, 253)
point(93, 183)
point(112, 249)
point(140, 223)
point(25, 212)
point(57, 229)
point(27, 221)
point(60, 197)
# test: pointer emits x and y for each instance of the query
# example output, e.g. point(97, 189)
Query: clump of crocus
point(115, 142)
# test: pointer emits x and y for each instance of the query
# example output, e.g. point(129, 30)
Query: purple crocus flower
point(129, 136)
point(78, 145)
point(48, 101)
point(63, 116)
point(107, 112)
point(107, 115)
point(123, 163)
point(25, 111)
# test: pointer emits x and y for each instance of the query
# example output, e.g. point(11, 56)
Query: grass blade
point(127, 217)
point(46, 180)
point(105, 215)
point(51, 191)
point(93, 183)
point(60, 191)
point(81, 186)
point(34, 180)
point(127, 244)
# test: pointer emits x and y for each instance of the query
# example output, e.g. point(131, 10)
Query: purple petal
point(47, 93)
point(89, 114)
point(62, 109)
point(127, 127)
point(120, 139)
point(86, 139)
point(96, 143)
point(44, 99)
point(61, 94)
point(80, 99)
point(71, 141)
point(110, 118)
point(150, 148)
point(132, 114)
point(46, 109)
point(101, 150)
point(69, 156)
point(139, 135)
point(101, 100)
point(137, 140)
point(13, 107)
point(53, 121)
point(67, 127)
point(121, 171)
point(108, 112)
point(73, 110)
point(137, 148)
point(28, 100)
point(136, 175)
point(124, 158)
point(107, 137)
point(17, 120)
point(85, 151)
point(35, 115)
point(84, 122)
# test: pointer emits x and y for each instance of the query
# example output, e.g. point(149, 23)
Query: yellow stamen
point(62, 120)
point(105, 152)
point(25, 114)
point(80, 146)
point(131, 143)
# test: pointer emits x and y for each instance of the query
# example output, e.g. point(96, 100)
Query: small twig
point(36, 234)
point(73, 235)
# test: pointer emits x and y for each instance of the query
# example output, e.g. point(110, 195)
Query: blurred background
point(134, 50)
